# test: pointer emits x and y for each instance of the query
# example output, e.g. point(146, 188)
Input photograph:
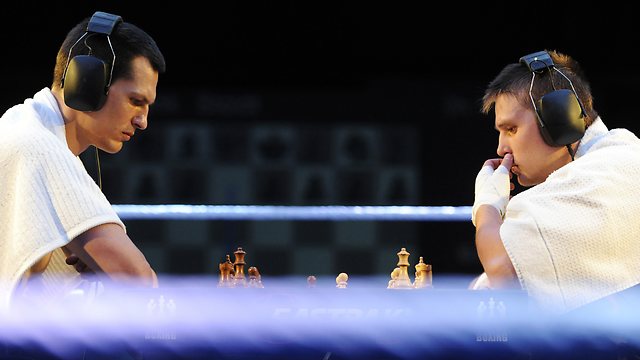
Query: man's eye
point(512, 130)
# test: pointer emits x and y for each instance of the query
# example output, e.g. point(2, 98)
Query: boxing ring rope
point(269, 212)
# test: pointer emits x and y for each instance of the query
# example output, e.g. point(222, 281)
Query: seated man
point(572, 236)
point(52, 211)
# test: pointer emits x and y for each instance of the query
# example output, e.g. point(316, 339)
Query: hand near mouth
point(507, 162)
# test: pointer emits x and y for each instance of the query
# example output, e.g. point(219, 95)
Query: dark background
point(422, 66)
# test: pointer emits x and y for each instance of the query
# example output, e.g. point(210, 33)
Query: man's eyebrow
point(502, 125)
point(142, 97)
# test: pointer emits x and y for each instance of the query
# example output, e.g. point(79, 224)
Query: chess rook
point(423, 275)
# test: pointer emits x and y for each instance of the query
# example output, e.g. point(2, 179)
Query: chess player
point(572, 236)
point(55, 219)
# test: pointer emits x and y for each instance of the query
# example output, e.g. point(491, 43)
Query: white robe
point(46, 196)
point(576, 237)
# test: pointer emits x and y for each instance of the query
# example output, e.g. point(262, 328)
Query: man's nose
point(140, 122)
point(503, 148)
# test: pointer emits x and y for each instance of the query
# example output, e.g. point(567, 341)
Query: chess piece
point(239, 278)
point(341, 280)
point(403, 281)
point(311, 281)
point(255, 280)
point(423, 275)
point(394, 277)
point(226, 273)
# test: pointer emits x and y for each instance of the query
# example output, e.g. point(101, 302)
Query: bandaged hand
point(493, 186)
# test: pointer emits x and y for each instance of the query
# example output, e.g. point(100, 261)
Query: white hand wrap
point(492, 188)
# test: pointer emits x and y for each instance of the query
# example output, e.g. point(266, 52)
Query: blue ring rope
point(268, 212)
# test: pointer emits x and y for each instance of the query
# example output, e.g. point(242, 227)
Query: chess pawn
point(238, 266)
point(311, 281)
point(255, 280)
point(226, 273)
point(394, 277)
point(341, 280)
point(403, 281)
point(423, 275)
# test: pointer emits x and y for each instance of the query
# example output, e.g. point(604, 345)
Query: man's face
point(533, 159)
point(126, 108)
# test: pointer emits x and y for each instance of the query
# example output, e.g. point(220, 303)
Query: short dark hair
point(515, 79)
point(128, 41)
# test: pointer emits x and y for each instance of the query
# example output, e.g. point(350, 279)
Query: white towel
point(576, 237)
point(46, 196)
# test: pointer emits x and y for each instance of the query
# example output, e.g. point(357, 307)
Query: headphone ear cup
point(561, 118)
point(543, 129)
point(85, 83)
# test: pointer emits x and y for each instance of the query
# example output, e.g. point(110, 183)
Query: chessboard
point(220, 316)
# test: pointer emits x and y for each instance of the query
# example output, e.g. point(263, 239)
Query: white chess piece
point(341, 280)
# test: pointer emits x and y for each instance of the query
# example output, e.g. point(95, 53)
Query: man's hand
point(493, 185)
point(73, 260)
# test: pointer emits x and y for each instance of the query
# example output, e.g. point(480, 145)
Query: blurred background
point(320, 103)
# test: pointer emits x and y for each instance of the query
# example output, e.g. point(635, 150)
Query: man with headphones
point(54, 216)
point(572, 236)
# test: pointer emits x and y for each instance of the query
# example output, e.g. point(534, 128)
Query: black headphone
point(560, 112)
point(86, 78)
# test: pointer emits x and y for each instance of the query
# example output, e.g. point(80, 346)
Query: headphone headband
point(103, 23)
point(538, 61)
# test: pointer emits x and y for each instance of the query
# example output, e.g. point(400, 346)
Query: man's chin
point(523, 181)
point(526, 182)
point(112, 149)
